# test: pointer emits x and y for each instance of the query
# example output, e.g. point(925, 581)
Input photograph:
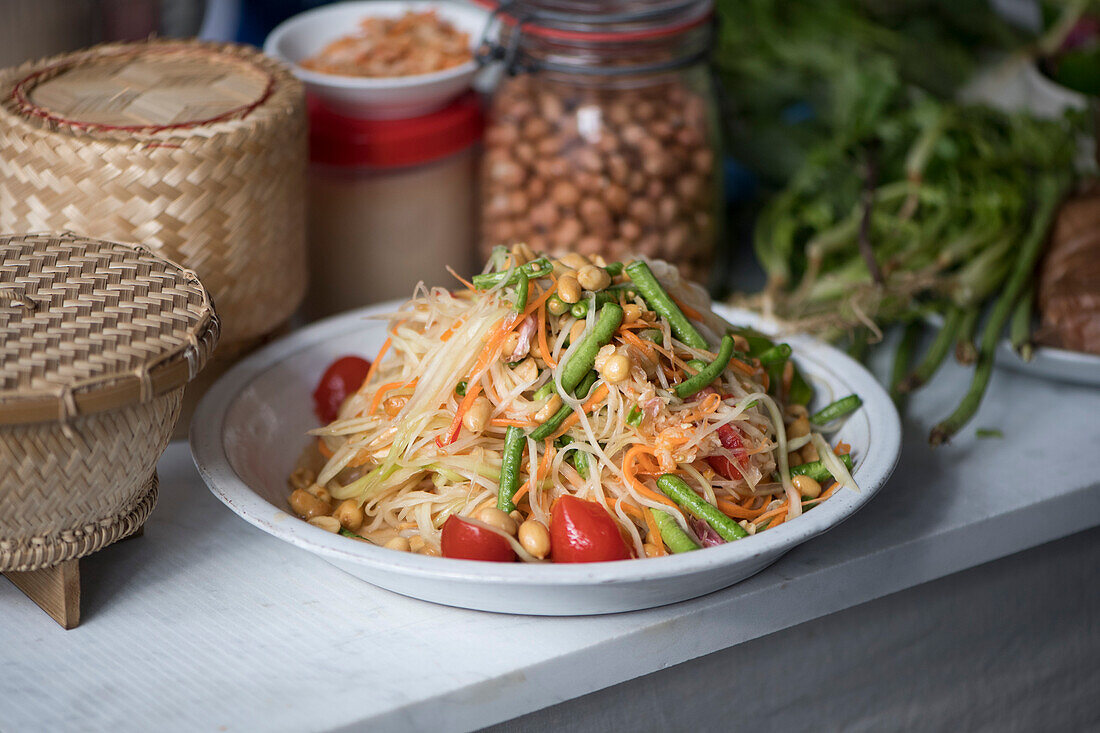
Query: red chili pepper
point(342, 378)
point(467, 541)
point(583, 531)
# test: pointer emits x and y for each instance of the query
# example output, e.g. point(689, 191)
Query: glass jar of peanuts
point(602, 137)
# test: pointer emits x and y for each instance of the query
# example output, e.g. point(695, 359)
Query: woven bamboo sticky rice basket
point(197, 150)
point(97, 340)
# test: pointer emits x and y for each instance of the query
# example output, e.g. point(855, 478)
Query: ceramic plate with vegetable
point(570, 415)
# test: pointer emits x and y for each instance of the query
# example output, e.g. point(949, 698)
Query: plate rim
point(212, 462)
point(1047, 362)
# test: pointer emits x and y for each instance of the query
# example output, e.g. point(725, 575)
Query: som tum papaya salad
point(567, 410)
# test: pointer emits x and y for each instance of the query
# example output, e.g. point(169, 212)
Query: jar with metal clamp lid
point(603, 134)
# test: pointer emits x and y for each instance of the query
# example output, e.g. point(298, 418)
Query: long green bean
point(523, 287)
point(674, 488)
point(710, 372)
point(902, 356)
point(595, 338)
point(817, 469)
point(548, 428)
point(966, 352)
point(936, 353)
point(514, 441)
point(677, 539)
point(662, 303)
point(1049, 189)
point(836, 410)
point(1019, 328)
point(533, 270)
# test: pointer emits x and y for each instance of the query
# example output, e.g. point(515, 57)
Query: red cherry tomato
point(343, 376)
point(583, 531)
point(731, 441)
point(467, 541)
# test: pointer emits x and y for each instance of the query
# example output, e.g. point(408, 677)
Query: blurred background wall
point(32, 29)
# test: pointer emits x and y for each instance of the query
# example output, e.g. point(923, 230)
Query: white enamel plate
point(250, 428)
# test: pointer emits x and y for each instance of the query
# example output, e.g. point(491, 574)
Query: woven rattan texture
point(47, 550)
point(222, 193)
point(56, 480)
point(79, 314)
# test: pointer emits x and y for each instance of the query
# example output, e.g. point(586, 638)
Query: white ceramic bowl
point(250, 428)
point(397, 97)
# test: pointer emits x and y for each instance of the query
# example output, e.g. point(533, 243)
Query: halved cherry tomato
point(731, 441)
point(467, 541)
point(343, 376)
point(583, 531)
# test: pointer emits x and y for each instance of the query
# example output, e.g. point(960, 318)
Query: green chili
point(676, 538)
point(509, 468)
point(548, 428)
point(674, 488)
point(534, 269)
point(710, 372)
point(579, 457)
point(460, 388)
point(544, 391)
point(836, 410)
point(613, 293)
point(817, 470)
point(775, 355)
point(660, 301)
point(523, 287)
point(634, 417)
point(800, 392)
point(758, 342)
point(556, 305)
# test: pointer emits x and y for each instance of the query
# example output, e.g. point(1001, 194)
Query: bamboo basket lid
point(197, 150)
point(165, 87)
point(88, 326)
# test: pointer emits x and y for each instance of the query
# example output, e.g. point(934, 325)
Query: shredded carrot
point(503, 422)
point(645, 348)
point(597, 397)
point(747, 369)
point(824, 495)
point(469, 285)
point(687, 309)
point(490, 352)
point(734, 510)
point(374, 364)
point(323, 449)
point(473, 388)
point(782, 509)
point(387, 388)
point(446, 336)
point(628, 474)
point(521, 493)
point(654, 535)
point(630, 509)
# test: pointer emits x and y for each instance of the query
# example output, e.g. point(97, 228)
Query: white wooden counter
point(206, 623)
